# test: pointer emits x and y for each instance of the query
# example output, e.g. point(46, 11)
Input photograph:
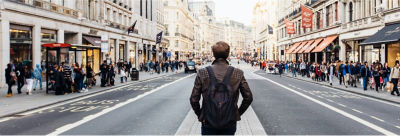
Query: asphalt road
point(284, 106)
point(284, 112)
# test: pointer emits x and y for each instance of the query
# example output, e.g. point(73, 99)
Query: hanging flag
point(306, 17)
point(132, 28)
point(270, 30)
point(290, 27)
point(159, 37)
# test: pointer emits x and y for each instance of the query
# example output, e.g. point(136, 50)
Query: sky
point(238, 10)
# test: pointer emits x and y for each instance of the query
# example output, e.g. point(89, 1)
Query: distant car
point(190, 67)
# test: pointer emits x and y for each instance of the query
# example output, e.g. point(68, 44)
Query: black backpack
point(219, 106)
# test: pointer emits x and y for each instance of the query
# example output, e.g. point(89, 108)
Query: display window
point(20, 44)
point(393, 53)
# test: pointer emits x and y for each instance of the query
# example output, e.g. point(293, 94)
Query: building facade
point(339, 29)
point(179, 28)
point(85, 24)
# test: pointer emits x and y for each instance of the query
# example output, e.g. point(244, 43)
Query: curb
point(80, 96)
point(375, 97)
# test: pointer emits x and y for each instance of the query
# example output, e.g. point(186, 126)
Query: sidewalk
point(39, 98)
point(382, 95)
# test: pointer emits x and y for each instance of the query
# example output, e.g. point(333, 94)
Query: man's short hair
point(221, 50)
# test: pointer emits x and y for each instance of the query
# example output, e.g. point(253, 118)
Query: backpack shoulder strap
point(228, 75)
point(211, 74)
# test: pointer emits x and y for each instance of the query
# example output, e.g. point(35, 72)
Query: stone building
point(179, 28)
point(85, 24)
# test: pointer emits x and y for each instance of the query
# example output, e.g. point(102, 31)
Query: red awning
point(305, 46)
point(293, 47)
point(56, 45)
point(300, 47)
point(310, 48)
point(325, 43)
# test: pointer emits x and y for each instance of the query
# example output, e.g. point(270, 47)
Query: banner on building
point(132, 28)
point(159, 37)
point(104, 43)
point(270, 30)
point(290, 27)
point(306, 17)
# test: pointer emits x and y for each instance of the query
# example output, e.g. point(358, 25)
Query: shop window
point(393, 53)
point(20, 44)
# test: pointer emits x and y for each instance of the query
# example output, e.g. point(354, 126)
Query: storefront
point(310, 57)
point(325, 51)
point(132, 54)
point(93, 54)
point(111, 53)
point(122, 46)
point(20, 44)
point(383, 45)
point(292, 56)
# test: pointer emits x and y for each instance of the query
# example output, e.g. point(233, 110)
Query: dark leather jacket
point(237, 81)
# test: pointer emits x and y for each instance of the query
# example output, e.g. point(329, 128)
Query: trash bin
point(134, 74)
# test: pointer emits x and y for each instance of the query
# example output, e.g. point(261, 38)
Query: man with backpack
point(219, 85)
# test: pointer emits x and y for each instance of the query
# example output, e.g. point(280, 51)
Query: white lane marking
point(329, 100)
point(67, 127)
point(385, 102)
point(84, 97)
point(342, 105)
point(381, 120)
point(398, 127)
point(348, 115)
point(6, 119)
point(356, 110)
point(320, 96)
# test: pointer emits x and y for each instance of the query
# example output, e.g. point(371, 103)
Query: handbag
point(389, 87)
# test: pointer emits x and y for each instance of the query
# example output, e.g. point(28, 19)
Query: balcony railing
point(49, 6)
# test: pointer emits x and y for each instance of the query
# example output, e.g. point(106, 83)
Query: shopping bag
point(389, 87)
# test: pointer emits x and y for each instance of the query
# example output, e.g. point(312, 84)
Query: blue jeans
point(294, 72)
point(38, 80)
point(365, 83)
point(206, 130)
point(385, 80)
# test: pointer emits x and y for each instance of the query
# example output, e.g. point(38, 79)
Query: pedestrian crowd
point(162, 66)
point(63, 79)
point(377, 76)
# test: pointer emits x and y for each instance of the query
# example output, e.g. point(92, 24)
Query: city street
point(281, 105)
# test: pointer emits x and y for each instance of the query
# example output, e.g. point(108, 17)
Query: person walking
point(331, 71)
point(67, 72)
point(294, 69)
point(394, 78)
point(103, 72)
point(365, 74)
point(90, 76)
point(225, 82)
point(377, 76)
point(20, 72)
point(11, 79)
point(386, 70)
point(77, 79)
point(59, 78)
point(38, 76)
point(29, 78)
